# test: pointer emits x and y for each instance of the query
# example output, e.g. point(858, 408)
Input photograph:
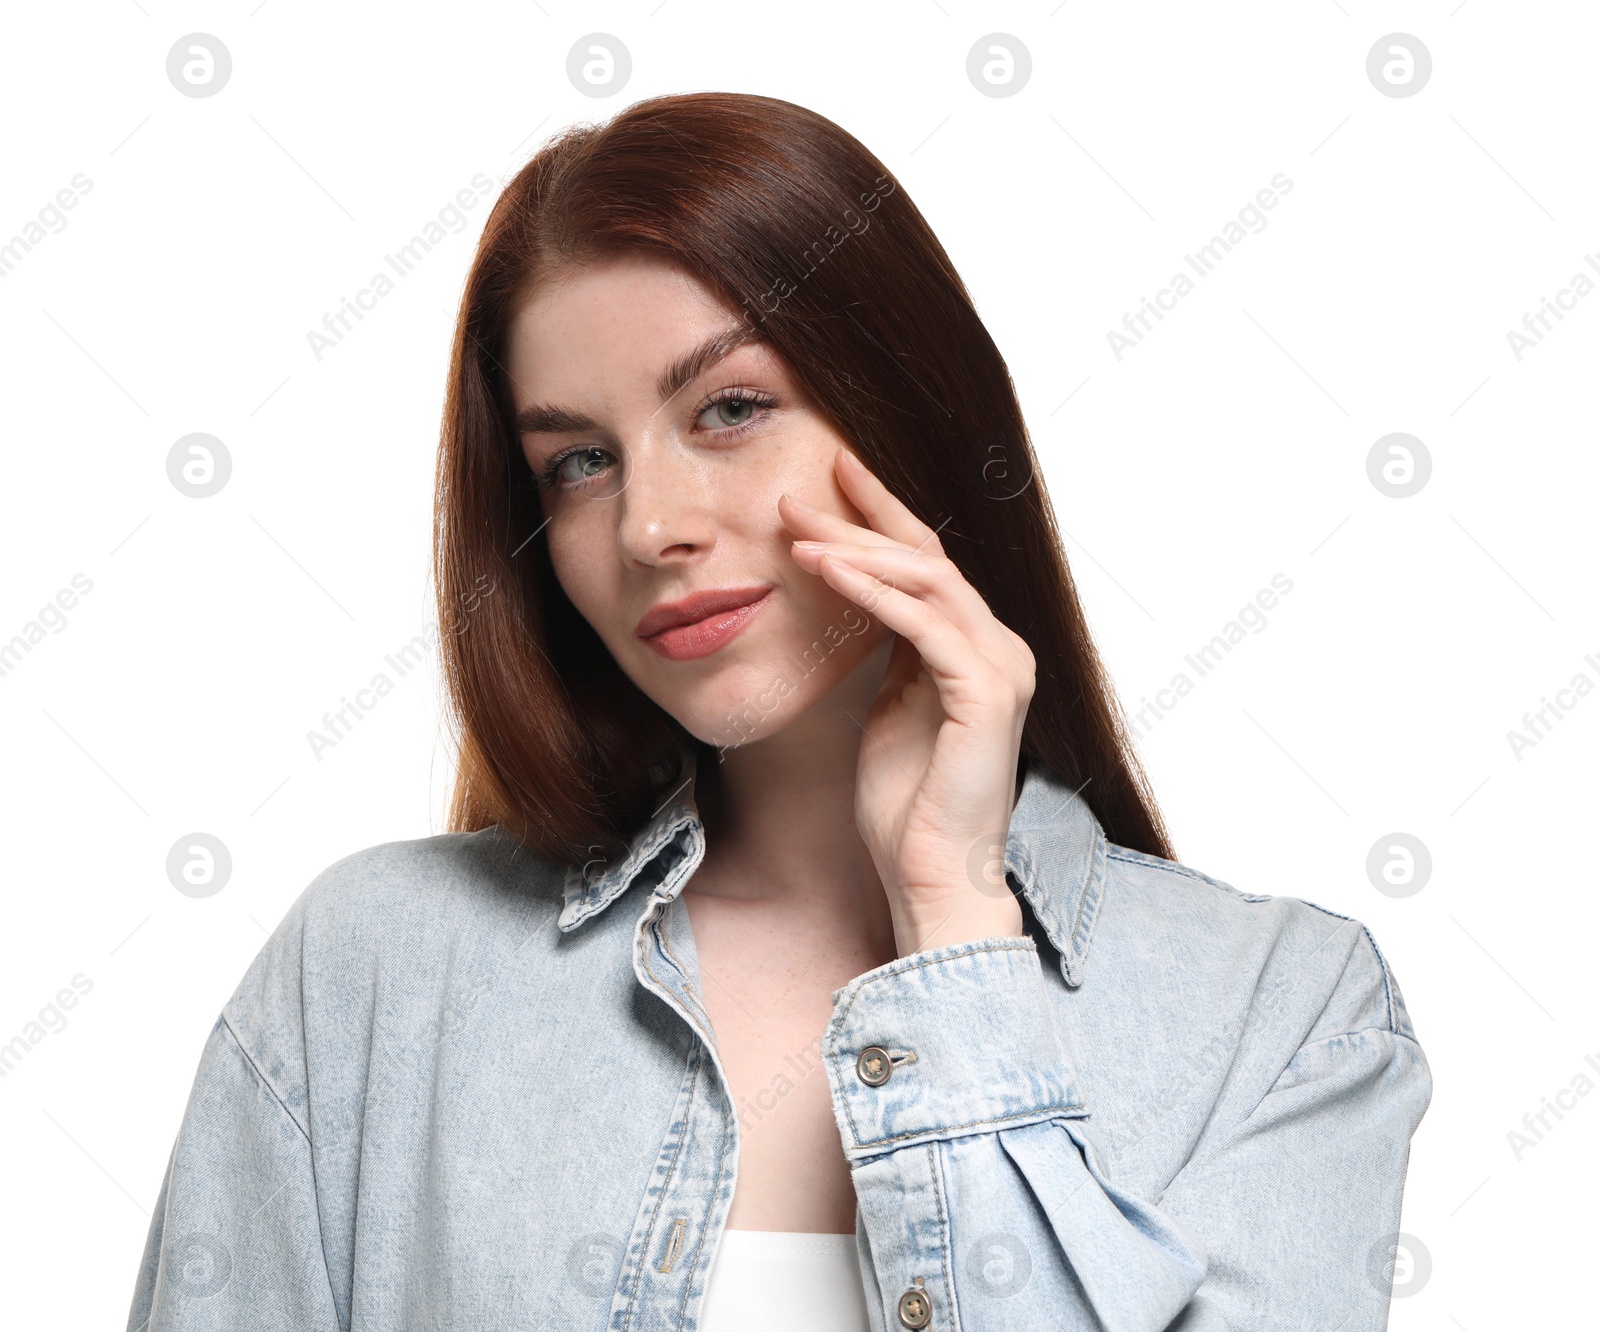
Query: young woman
point(808, 948)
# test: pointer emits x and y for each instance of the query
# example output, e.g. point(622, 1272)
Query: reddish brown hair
point(796, 225)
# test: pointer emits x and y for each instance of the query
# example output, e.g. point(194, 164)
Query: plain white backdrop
point(1229, 444)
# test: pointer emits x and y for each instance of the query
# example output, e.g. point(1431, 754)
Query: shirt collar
point(1055, 852)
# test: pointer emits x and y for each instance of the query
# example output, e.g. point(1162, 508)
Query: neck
point(779, 815)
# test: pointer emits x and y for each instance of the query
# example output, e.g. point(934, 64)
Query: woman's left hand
point(936, 779)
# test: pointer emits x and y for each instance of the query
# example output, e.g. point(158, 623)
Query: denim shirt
point(463, 1087)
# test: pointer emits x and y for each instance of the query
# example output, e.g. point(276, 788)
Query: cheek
point(586, 575)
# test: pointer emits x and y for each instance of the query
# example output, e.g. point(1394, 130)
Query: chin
point(746, 703)
point(758, 698)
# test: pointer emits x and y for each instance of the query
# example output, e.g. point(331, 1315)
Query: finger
point(879, 506)
point(905, 665)
point(934, 578)
point(806, 521)
point(891, 521)
point(965, 677)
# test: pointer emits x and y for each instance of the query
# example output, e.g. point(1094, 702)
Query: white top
point(757, 1271)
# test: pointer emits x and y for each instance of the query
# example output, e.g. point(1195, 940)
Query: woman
point(784, 752)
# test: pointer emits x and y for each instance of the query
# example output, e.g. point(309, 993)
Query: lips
point(699, 606)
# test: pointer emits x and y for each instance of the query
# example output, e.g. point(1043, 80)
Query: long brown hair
point(796, 225)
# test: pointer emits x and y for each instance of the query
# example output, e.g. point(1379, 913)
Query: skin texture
point(865, 789)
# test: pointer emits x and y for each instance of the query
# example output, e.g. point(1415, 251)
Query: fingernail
point(798, 503)
point(811, 545)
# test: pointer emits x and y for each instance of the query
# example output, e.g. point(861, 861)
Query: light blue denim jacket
point(465, 1088)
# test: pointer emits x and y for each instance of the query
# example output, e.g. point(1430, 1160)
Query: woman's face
point(662, 445)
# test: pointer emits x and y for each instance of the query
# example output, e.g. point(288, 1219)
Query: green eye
point(590, 463)
point(735, 410)
point(575, 467)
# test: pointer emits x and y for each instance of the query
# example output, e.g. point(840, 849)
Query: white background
point(1229, 446)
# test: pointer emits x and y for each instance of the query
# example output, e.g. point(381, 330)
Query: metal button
point(914, 1308)
point(873, 1068)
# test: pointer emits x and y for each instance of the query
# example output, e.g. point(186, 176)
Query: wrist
point(938, 926)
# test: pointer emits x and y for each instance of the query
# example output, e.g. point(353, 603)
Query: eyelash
point(545, 477)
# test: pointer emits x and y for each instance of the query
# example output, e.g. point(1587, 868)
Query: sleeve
point(985, 1203)
point(235, 1241)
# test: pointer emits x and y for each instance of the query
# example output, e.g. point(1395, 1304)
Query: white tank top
point(756, 1271)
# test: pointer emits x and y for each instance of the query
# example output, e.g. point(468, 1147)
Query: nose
point(665, 513)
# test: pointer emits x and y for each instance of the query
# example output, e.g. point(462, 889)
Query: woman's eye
point(729, 412)
point(576, 468)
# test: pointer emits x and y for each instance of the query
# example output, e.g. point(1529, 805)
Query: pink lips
point(700, 624)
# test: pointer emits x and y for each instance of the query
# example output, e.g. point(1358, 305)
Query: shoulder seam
point(227, 1026)
point(1383, 966)
point(1359, 1031)
point(1377, 953)
point(1132, 857)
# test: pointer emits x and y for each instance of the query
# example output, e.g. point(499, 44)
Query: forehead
point(616, 323)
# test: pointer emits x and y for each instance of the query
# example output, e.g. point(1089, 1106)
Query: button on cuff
point(960, 1038)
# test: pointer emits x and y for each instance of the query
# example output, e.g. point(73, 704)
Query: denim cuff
point(944, 1043)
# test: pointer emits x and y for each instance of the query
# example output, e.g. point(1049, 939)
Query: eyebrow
point(540, 419)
